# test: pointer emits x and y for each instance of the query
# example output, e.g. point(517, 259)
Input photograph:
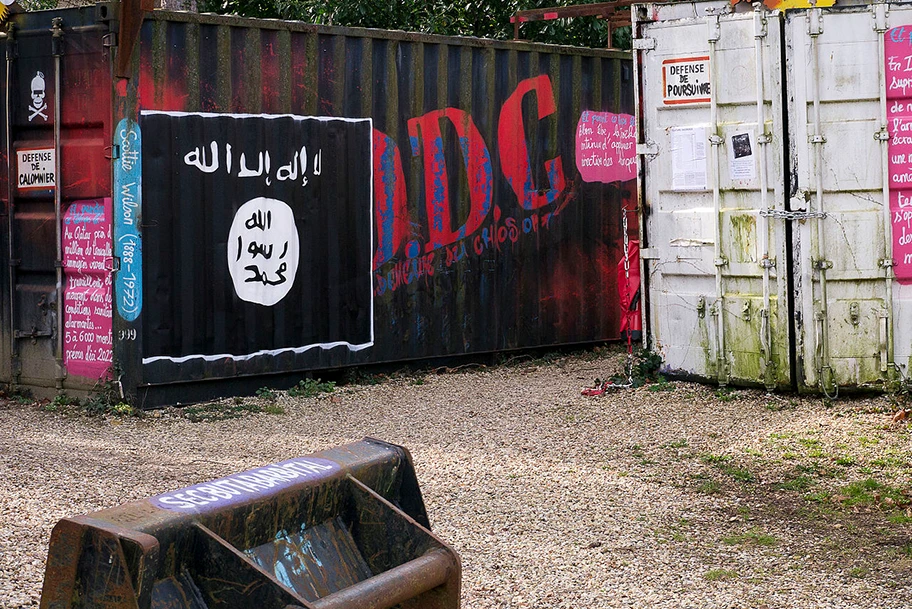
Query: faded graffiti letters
point(263, 251)
point(478, 229)
point(88, 307)
point(605, 147)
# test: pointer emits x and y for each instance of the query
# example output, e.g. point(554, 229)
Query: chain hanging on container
point(601, 387)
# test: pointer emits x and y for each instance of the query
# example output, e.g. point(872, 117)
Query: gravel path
point(672, 495)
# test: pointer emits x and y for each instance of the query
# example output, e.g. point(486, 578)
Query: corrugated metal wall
point(479, 235)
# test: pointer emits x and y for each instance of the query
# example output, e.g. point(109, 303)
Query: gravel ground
point(669, 495)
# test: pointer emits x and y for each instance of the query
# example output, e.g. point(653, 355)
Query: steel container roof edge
point(396, 35)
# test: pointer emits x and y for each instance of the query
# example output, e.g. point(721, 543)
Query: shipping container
point(199, 204)
point(773, 152)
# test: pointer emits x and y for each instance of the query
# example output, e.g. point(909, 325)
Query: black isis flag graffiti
point(256, 235)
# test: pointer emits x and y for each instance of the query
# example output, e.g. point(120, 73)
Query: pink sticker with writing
point(898, 56)
point(87, 304)
point(606, 147)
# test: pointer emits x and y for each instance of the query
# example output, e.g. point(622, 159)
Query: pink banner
point(605, 147)
point(898, 54)
point(87, 344)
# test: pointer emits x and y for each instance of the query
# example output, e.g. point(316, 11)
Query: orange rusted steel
point(344, 528)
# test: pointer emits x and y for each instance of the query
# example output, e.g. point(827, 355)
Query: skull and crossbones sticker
point(39, 106)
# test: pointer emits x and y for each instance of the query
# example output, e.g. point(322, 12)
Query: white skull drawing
point(38, 91)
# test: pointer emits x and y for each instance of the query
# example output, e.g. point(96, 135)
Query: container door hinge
point(815, 22)
point(109, 40)
point(649, 253)
point(644, 44)
point(12, 46)
point(647, 149)
point(112, 152)
point(57, 36)
point(881, 12)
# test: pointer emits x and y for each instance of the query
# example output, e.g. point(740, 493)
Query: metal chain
point(624, 228)
point(792, 215)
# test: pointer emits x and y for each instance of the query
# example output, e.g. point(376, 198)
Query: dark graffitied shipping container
point(203, 198)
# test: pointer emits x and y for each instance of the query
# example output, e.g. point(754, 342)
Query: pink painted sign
point(605, 147)
point(898, 55)
point(87, 344)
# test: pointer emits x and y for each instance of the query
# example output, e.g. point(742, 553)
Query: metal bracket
point(112, 152)
point(881, 12)
point(115, 264)
point(767, 263)
point(109, 40)
point(822, 265)
point(716, 140)
point(721, 261)
point(746, 310)
point(57, 36)
point(817, 139)
point(644, 44)
point(815, 22)
point(764, 138)
point(886, 263)
point(701, 307)
point(647, 148)
point(649, 253)
point(882, 135)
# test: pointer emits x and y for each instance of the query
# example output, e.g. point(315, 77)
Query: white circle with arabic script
point(263, 251)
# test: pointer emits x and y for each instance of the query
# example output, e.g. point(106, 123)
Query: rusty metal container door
point(849, 71)
point(57, 188)
point(711, 156)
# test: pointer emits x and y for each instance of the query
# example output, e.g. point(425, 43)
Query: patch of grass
point(819, 496)
point(870, 492)
point(798, 484)
point(22, 397)
point(709, 487)
point(845, 460)
point(900, 518)
point(60, 402)
point(753, 536)
point(725, 394)
point(738, 473)
point(858, 572)
point(222, 411)
point(266, 393)
point(809, 442)
point(662, 385)
point(682, 443)
point(715, 575)
point(715, 459)
point(308, 388)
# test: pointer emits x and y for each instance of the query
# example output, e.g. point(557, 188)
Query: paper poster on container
point(36, 169)
point(688, 158)
point(685, 80)
point(742, 162)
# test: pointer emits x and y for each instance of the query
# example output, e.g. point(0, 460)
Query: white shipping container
point(793, 268)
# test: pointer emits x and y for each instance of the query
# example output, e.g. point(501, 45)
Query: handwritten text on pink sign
point(87, 344)
point(898, 54)
point(605, 147)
